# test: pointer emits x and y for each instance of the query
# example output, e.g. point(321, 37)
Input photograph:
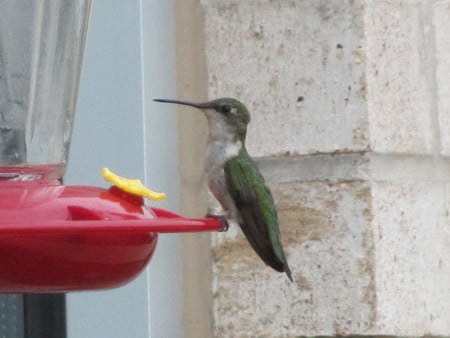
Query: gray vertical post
point(11, 316)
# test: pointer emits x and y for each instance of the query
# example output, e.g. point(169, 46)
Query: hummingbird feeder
point(53, 237)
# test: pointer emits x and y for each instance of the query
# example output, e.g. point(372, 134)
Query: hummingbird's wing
point(257, 209)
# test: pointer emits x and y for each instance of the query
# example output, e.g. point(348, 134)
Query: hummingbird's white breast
point(218, 154)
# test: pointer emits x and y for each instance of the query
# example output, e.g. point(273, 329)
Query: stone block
point(441, 29)
point(367, 257)
point(412, 240)
point(327, 234)
point(298, 66)
point(400, 76)
point(325, 76)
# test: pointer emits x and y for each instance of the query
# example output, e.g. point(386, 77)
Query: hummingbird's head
point(226, 116)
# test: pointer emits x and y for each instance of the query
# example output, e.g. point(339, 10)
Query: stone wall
point(350, 104)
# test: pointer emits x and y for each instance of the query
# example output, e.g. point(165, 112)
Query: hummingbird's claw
point(224, 225)
point(223, 221)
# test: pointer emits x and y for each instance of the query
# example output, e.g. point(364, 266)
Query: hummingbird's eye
point(226, 109)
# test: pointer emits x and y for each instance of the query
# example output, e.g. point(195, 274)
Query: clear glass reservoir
point(41, 51)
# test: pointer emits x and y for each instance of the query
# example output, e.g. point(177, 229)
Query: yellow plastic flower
point(132, 186)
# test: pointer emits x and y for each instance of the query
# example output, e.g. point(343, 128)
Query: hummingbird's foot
point(223, 221)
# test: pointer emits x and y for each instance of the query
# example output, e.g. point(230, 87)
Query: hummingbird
point(235, 180)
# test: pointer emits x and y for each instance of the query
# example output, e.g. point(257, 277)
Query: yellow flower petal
point(132, 186)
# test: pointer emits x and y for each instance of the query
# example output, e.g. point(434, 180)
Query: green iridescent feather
point(257, 209)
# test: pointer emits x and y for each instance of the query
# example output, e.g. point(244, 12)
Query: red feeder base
point(56, 238)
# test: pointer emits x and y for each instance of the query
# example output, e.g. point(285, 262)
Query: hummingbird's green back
point(257, 209)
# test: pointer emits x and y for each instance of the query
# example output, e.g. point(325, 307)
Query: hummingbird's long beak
point(199, 105)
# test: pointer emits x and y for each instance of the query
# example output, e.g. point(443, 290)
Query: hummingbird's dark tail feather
point(288, 271)
point(267, 253)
